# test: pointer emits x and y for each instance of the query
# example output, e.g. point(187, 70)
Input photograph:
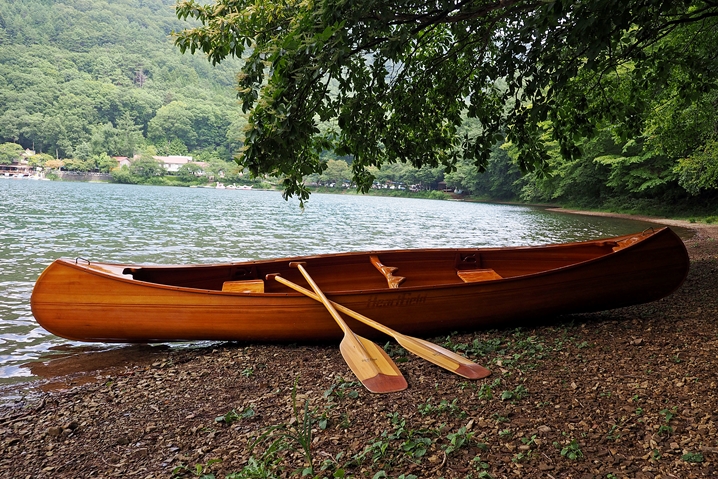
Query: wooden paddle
point(370, 363)
point(431, 352)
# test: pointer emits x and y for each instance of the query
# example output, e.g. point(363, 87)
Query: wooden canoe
point(443, 290)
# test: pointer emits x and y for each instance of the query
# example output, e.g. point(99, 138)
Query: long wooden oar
point(431, 352)
point(370, 363)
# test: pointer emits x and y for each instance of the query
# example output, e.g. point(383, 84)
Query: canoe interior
point(355, 272)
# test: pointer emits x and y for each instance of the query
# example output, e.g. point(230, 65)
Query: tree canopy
point(394, 81)
point(10, 152)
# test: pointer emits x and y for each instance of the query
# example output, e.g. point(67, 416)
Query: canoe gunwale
point(124, 277)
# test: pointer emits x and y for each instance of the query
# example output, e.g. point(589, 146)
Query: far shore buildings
point(122, 161)
point(170, 163)
point(19, 167)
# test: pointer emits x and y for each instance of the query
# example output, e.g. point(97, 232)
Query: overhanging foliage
point(396, 79)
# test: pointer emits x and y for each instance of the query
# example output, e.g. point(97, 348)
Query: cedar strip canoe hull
point(127, 303)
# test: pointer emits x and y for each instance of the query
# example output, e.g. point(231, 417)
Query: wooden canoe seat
point(476, 275)
point(245, 286)
point(627, 242)
point(388, 272)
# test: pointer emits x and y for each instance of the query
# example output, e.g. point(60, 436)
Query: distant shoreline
point(424, 194)
point(710, 229)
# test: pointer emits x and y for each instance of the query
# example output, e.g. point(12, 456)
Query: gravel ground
point(627, 393)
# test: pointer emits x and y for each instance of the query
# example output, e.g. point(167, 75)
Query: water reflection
point(41, 221)
point(68, 360)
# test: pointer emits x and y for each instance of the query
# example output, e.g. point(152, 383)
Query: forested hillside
point(80, 79)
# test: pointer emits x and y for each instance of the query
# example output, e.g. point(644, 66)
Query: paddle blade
point(371, 365)
point(442, 357)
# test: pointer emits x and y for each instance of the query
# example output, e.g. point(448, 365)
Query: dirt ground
point(627, 393)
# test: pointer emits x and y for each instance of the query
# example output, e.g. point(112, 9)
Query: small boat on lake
point(421, 292)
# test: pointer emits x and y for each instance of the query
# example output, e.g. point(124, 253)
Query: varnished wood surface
point(387, 271)
point(369, 363)
point(127, 303)
point(424, 349)
point(473, 276)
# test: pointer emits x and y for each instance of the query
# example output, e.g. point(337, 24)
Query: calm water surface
point(42, 220)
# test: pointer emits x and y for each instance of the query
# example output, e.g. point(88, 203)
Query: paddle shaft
point(337, 307)
point(422, 348)
point(322, 298)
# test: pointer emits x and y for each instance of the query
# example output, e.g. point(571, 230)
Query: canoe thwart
point(387, 271)
point(476, 275)
point(244, 286)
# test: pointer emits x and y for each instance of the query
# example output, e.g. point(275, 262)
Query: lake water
point(42, 220)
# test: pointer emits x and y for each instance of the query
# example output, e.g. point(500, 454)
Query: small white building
point(173, 163)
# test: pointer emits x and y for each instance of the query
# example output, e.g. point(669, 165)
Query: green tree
point(79, 165)
point(10, 152)
point(123, 175)
point(177, 147)
point(189, 171)
point(337, 171)
point(129, 136)
point(501, 180)
point(399, 77)
point(700, 170)
point(104, 163)
point(394, 172)
point(217, 167)
point(69, 69)
point(146, 167)
point(83, 151)
point(105, 139)
point(39, 160)
point(9, 125)
point(210, 124)
point(172, 122)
